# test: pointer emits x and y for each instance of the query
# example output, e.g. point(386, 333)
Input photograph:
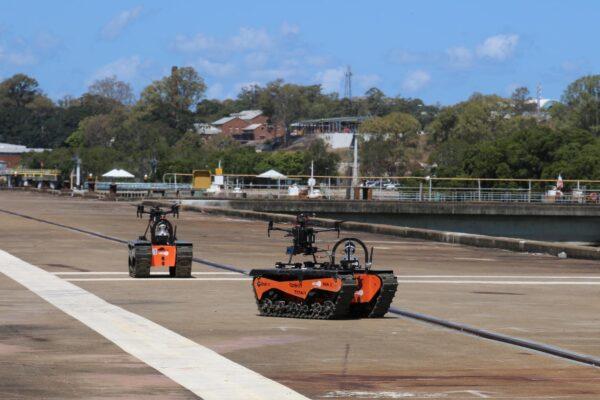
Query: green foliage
point(386, 151)
point(582, 98)
point(484, 136)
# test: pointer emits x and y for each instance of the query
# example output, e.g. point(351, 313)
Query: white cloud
point(194, 44)
point(214, 91)
point(367, 81)
point(45, 41)
point(270, 74)
point(17, 58)
point(244, 39)
point(21, 59)
point(416, 80)
point(124, 68)
point(317, 60)
point(331, 79)
point(460, 57)
point(256, 59)
point(115, 26)
point(499, 47)
point(250, 38)
point(288, 29)
point(214, 68)
point(400, 56)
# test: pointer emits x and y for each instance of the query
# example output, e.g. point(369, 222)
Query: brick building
point(11, 154)
point(249, 125)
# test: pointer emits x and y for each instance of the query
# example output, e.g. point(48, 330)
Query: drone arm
point(272, 227)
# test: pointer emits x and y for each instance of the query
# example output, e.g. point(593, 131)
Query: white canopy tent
point(272, 174)
point(275, 175)
point(117, 173)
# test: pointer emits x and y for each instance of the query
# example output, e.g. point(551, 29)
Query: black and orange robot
point(163, 249)
point(323, 290)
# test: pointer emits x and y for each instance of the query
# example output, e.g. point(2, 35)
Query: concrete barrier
point(512, 244)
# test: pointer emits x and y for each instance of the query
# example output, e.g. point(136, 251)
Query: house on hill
point(249, 125)
point(11, 154)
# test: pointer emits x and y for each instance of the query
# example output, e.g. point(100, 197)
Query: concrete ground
point(44, 353)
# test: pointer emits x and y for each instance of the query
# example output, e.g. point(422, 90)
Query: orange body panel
point(368, 287)
point(163, 256)
point(295, 288)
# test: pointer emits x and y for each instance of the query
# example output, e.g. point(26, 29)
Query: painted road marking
point(195, 367)
point(474, 259)
point(126, 273)
point(153, 279)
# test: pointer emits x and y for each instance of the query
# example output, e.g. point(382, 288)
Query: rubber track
point(469, 330)
point(389, 285)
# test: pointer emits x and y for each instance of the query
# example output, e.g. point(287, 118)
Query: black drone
point(161, 230)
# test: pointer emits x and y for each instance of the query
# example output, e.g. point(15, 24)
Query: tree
point(112, 88)
point(522, 100)
point(18, 90)
point(386, 151)
point(582, 99)
point(172, 98)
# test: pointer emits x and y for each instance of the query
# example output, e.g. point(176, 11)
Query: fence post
point(529, 192)
point(420, 191)
point(479, 189)
point(429, 189)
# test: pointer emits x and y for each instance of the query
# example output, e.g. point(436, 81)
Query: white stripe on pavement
point(126, 273)
point(195, 367)
point(154, 279)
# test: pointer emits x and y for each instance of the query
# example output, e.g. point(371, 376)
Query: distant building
point(337, 131)
point(11, 154)
point(248, 125)
point(206, 129)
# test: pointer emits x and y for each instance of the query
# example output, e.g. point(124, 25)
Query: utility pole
point(538, 95)
point(355, 162)
point(78, 172)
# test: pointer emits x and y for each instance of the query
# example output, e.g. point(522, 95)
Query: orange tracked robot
point(163, 249)
point(323, 290)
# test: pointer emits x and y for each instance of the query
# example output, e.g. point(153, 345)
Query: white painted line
point(501, 276)
point(126, 273)
point(154, 279)
point(197, 368)
point(502, 282)
point(474, 259)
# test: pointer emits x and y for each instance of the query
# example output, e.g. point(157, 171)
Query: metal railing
point(426, 189)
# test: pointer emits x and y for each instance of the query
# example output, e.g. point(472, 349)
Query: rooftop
point(247, 114)
point(252, 127)
point(355, 119)
point(7, 148)
point(223, 120)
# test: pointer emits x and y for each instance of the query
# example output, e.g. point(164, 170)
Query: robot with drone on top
point(327, 289)
point(163, 249)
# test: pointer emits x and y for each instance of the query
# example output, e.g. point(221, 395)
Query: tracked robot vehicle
point(163, 249)
point(323, 290)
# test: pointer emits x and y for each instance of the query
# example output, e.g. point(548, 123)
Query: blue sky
point(440, 51)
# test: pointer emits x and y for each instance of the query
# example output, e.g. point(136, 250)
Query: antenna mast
point(348, 83)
